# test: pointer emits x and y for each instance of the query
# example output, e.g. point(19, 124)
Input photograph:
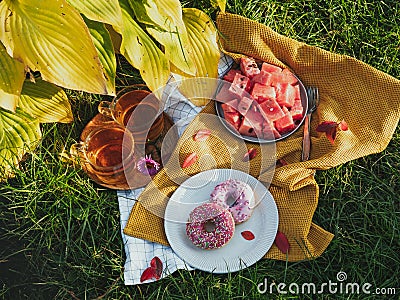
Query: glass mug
point(107, 155)
point(138, 110)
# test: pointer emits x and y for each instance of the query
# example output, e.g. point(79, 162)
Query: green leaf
point(104, 11)
point(139, 49)
point(50, 36)
point(219, 3)
point(167, 27)
point(12, 77)
point(21, 134)
point(45, 101)
point(105, 49)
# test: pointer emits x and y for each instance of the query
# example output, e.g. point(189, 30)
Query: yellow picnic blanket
point(367, 99)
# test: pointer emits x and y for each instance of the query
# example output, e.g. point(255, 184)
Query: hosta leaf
point(167, 27)
point(203, 38)
point(105, 11)
point(50, 36)
point(12, 77)
point(20, 135)
point(45, 101)
point(104, 46)
point(142, 52)
point(219, 3)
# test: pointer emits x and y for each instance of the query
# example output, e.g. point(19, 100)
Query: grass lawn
point(60, 234)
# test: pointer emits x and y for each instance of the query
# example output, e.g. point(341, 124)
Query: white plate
point(239, 253)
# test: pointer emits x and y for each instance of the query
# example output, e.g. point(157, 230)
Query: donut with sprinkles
point(210, 226)
point(236, 196)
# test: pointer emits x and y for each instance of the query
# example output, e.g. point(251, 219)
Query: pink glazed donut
point(210, 226)
point(242, 196)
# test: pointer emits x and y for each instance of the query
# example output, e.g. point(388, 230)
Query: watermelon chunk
point(231, 75)
point(249, 67)
point(247, 129)
point(263, 78)
point(270, 132)
point(244, 105)
point(225, 95)
point(231, 106)
point(288, 77)
point(270, 68)
point(297, 110)
point(271, 110)
point(234, 119)
point(255, 120)
point(261, 92)
point(285, 124)
point(240, 85)
point(285, 94)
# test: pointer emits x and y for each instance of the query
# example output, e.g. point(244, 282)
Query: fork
point(313, 100)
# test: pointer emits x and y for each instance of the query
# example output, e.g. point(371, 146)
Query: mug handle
point(77, 149)
point(105, 108)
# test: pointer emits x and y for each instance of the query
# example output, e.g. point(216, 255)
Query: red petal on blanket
point(147, 274)
point(250, 154)
point(282, 242)
point(154, 271)
point(157, 265)
point(343, 125)
point(330, 129)
point(202, 135)
point(189, 160)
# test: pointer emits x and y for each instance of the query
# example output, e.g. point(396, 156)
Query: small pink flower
point(146, 165)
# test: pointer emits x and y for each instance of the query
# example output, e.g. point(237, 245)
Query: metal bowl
point(304, 101)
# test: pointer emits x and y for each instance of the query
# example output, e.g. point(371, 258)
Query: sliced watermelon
point(262, 92)
point(297, 110)
point(269, 131)
point(234, 119)
point(231, 106)
point(288, 77)
point(285, 124)
point(263, 78)
point(240, 85)
point(270, 68)
point(271, 110)
point(249, 67)
point(285, 94)
point(244, 105)
point(231, 75)
point(225, 95)
point(247, 129)
point(253, 119)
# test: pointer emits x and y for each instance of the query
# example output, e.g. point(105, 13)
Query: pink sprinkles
point(242, 207)
point(213, 213)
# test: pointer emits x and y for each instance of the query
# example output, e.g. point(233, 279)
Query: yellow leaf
point(50, 36)
point(138, 48)
point(45, 102)
point(12, 76)
point(21, 134)
point(203, 38)
point(167, 27)
point(104, 46)
point(219, 3)
point(104, 11)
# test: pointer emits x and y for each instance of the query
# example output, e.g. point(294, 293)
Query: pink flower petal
point(250, 154)
point(202, 135)
point(190, 160)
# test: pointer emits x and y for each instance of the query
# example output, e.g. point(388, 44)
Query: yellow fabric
point(367, 99)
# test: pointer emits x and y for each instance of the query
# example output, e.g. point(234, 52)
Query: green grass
point(60, 234)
